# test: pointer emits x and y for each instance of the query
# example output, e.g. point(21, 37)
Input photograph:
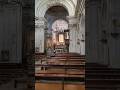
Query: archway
point(69, 14)
point(57, 29)
point(41, 8)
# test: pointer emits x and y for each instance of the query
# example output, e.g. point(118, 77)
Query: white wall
point(39, 39)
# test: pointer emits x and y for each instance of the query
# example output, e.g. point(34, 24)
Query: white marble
point(40, 35)
point(73, 34)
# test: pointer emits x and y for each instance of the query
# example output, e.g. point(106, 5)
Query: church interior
point(60, 45)
point(63, 45)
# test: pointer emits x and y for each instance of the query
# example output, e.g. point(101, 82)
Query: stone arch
point(57, 4)
point(50, 15)
point(42, 6)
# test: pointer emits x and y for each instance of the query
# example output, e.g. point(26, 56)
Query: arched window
point(60, 25)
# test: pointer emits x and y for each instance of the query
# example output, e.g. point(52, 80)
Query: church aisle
point(61, 74)
point(58, 86)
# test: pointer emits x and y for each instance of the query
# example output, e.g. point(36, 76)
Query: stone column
point(73, 34)
point(40, 34)
point(81, 34)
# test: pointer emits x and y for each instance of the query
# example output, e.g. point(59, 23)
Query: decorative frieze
point(55, 2)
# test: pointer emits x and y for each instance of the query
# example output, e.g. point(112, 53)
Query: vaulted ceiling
point(41, 6)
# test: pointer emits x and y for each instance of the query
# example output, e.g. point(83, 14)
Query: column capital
point(40, 22)
point(72, 19)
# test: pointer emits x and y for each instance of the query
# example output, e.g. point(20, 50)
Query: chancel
point(60, 35)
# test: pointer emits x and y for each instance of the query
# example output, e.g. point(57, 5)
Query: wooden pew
point(102, 77)
point(63, 66)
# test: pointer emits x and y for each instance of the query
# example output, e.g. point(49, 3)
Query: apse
point(57, 29)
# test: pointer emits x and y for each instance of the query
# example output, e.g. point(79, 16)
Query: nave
point(61, 72)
